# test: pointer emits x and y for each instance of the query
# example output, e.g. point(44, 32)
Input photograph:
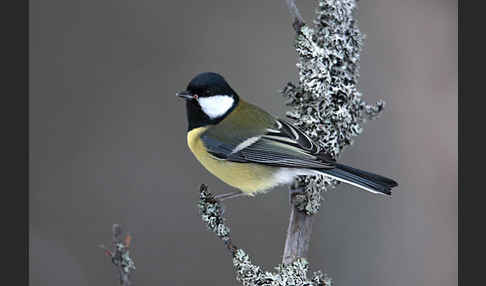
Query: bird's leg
point(231, 195)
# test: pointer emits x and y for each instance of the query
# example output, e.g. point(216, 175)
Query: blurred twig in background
point(120, 255)
point(327, 105)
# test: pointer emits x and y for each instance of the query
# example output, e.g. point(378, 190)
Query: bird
point(254, 151)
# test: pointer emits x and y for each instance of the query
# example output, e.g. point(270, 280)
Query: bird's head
point(209, 99)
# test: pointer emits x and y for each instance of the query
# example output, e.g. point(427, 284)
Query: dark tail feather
point(368, 181)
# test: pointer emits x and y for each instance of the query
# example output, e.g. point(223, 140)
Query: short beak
point(184, 94)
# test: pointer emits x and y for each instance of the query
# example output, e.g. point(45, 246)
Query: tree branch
point(249, 274)
point(299, 231)
point(326, 105)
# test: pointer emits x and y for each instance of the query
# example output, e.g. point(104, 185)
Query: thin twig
point(294, 12)
point(120, 255)
point(211, 212)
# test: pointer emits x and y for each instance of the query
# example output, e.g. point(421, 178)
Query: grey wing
point(283, 145)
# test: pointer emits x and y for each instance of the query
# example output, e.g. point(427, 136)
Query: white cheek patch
point(216, 105)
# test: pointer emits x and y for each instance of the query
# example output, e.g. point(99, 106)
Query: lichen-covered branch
point(247, 273)
point(325, 102)
point(212, 215)
point(294, 274)
point(120, 255)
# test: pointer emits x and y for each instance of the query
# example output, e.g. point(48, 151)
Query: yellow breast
point(248, 177)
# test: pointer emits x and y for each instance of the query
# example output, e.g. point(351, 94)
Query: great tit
point(253, 151)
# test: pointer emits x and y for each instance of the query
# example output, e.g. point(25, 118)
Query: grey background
point(108, 141)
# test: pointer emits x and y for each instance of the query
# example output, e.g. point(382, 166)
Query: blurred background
point(108, 141)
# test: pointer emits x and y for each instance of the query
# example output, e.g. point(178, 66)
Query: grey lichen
point(309, 201)
point(247, 273)
point(211, 213)
point(290, 274)
point(326, 103)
